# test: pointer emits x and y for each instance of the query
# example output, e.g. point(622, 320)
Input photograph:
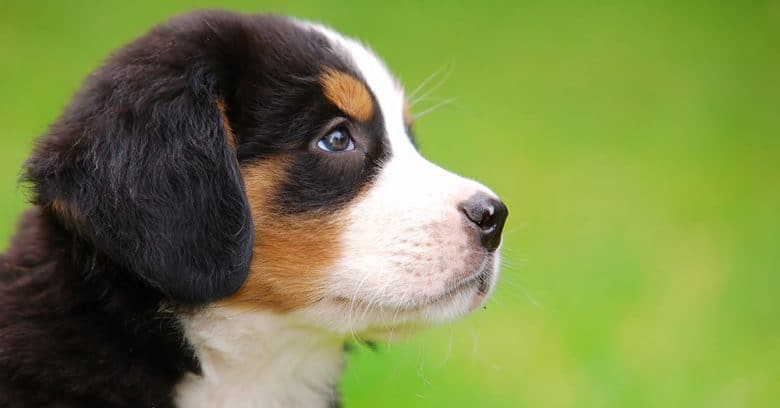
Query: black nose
point(489, 215)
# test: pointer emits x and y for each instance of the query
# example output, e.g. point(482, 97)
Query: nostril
point(481, 211)
point(489, 214)
point(477, 212)
point(482, 216)
point(488, 220)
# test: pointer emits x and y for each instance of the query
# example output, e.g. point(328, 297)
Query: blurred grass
point(637, 145)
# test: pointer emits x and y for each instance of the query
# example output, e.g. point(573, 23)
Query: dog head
point(267, 163)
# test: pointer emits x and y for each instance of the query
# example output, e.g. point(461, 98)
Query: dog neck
point(259, 359)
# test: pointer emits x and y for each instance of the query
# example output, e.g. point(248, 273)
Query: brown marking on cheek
point(229, 135)
point(348, 93)
point(291, 253)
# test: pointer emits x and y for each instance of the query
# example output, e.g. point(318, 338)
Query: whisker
point(393, 322)
point(430, 99)
point(516, 229)
point(414, 100)
point(508, 279)
point(421, 369)
point(448, 353)
point(433, 108)
point(350, 314)
point(376, 296)
point(537, 304)
point(428, 79)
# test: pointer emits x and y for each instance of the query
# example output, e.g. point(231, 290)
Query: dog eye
point(338, 140)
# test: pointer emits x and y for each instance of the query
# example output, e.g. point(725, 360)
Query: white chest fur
point(259, 359)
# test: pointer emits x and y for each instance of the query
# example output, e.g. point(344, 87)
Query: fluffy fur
point(225, 202)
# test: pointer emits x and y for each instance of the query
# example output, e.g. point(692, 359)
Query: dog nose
point(489, 215)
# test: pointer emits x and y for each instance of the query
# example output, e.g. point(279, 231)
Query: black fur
point(76, 330)
point(140, 211)
point(142, 161)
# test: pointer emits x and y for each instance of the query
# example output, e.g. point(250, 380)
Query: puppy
point(224, 203)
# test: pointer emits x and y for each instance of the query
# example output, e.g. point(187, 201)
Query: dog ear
point(142, 166)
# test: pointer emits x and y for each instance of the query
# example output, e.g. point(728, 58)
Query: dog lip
point(482, 276)
point(484, 283)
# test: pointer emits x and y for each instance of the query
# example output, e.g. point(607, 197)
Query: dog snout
point(487, 215)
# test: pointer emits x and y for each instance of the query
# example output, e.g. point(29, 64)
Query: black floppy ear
point(141, 166)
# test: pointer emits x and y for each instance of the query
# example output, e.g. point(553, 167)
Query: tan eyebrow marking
point(348, 94)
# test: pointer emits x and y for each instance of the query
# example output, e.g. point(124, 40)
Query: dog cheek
point(291, 251)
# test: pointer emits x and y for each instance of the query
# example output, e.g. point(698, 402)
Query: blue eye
point(338, 140)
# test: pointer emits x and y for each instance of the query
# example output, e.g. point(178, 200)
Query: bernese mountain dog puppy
point(227, 201)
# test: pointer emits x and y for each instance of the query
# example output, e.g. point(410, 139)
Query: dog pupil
point(337, 140)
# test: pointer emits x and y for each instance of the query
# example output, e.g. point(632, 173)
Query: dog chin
point(450, 307)
point(365, 320)
point(463, 298)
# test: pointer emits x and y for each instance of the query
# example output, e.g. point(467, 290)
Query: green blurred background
point(637, 145)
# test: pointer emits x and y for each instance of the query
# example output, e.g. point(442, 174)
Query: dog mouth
point(471, 290)
point(482, 278)
point(484, 283)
